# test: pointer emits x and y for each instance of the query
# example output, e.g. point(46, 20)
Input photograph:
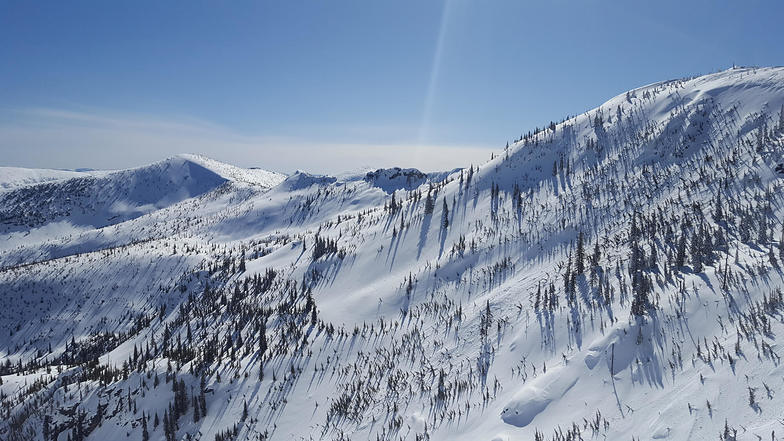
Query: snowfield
point(13, 177)
point(615, 275)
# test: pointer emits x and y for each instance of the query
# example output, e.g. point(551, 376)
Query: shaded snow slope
point(396, 306)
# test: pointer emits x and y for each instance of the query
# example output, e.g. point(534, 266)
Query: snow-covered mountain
point(616, 275)
point(13, 177)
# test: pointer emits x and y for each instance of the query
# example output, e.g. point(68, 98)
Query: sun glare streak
point(431, 86)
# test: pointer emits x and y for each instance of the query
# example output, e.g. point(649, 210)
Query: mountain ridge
point(615, 275)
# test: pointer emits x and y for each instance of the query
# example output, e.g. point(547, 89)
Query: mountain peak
point(254, 176)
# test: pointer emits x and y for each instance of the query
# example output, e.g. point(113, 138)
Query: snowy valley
point(615, 275)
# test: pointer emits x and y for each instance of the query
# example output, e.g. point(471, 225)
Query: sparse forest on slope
point(615, 275)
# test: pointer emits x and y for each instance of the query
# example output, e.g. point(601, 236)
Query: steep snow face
point(612, 276)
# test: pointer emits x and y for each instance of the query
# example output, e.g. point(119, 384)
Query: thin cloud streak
point(56, 138)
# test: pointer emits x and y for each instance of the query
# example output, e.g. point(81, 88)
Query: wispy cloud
point(58, 138)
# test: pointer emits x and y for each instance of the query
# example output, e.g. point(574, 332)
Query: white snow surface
point(13, 177)
point(177, 269)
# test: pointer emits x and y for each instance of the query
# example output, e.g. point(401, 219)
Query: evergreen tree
point(145, 433)
point(707, 245)
point(596, 255)
point(568, 281)
point(46, 423)
point(166, 424)
point(580, 254)
point(744, 228)
point(680, 255)
point(196, 409)
point(640, 301)
point(781, 243)
point(445, 221)
point(262, 341)
point(718, 209)
point(695, 250)
point(429, 205)
point(762, 236)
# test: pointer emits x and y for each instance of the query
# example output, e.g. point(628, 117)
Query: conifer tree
point(762, 236)
point(580, 254)
point(695, 250)
point(680, 255)
point(718, 211)
point(596, 255)
point(781, 243)
point(445, 221)
point(145, 433)
point(429, 203)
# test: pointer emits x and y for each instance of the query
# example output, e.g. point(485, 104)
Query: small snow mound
point(417, 422)
point(534, 397)
point(661, 433)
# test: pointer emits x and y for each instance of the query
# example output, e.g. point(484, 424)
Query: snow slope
point(13, 177)
point(616, 275)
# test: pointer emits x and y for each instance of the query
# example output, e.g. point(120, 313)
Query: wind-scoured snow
point(615, 275)
point(13, 177)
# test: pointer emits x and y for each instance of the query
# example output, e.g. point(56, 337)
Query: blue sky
point(333, 85)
